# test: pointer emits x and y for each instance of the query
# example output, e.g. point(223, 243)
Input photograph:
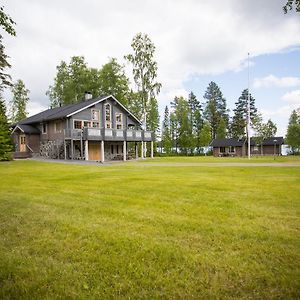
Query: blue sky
point(196, 42)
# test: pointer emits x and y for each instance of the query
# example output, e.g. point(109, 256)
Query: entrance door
point(94, 151)
point(23, 143)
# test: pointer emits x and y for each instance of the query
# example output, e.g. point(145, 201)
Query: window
point(255, 148)
point(112, 149)
point(96, 125)
point(86, 124)
point(95, 115)
point(58, 127)
point(222, 149)
point(231, 149)
point(107, 116)
point(44, 128)
point(23, 140)
point(119, 122)
point(77, 124)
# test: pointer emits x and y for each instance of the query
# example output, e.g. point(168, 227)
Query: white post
point(136, 151)
point(151, 149)
point(248, 113)
point(102, 152)
point(124, 150)
point(72, 149)
point(86, 150)
point(142, 150)
point(65, 149)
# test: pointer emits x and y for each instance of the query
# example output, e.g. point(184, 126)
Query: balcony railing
point(108, 134)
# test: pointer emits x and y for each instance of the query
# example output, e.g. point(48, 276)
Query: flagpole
point(248, 112)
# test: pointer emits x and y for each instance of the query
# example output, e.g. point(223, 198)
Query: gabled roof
point(27, 129)
point(69, 110)
point(278, 140)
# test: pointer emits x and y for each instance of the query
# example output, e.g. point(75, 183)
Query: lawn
point(148, 232)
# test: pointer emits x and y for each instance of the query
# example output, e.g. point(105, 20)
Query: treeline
point(190, 125)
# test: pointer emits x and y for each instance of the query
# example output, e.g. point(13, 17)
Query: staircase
point(21, 155)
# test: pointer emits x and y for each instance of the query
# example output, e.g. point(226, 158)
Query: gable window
point(222, 150)
point(231, 149)
point(44, 128)
point(95, 115)
point(58, 127)
point(119, 118)
point(107, 116)
point(77, 124)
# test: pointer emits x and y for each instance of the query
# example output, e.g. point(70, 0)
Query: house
point(239, 147)
point(95, 129)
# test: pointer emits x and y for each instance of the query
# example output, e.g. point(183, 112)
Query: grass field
point(146, 232)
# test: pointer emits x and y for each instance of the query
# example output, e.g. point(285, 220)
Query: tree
point(205, 135)
point(113, 81)
point(290, 6)
point(293, 132)
point(5, 137)
point(166, 137)
point(7, 23)
point(144, 72)
point(215, 107)
point(221, 130)
point(239, 119)
point(19, 101)
point(263, 131)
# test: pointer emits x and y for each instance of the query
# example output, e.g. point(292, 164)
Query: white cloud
point(292, 97)
point(273, 81)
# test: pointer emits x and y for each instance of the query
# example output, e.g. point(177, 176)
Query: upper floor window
point(58, 127)
point(44, 128)
point(77, 124)
point(107, 116)
point(119, 121)
point(95, 115)
point(86, 124)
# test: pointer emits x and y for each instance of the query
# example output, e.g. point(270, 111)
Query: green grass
point(78, 232)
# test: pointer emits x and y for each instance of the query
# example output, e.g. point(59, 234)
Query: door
point(23, 143)
point(94, 151)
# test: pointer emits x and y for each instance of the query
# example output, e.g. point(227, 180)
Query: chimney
point(87, 96)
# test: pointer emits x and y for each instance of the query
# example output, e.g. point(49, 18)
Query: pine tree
point(215, 107)
point(5, 137)
point(221, 130)
point(205, 135)
point(166, 137)
point(19, 101)
point(293, 132)
point(239, 119)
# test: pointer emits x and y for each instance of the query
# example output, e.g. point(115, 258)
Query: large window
point(77, 124)
point(107, 116)
point(222, 150)
point(119, 120)
point(95, 115)
point(58, 127)
point(231, 149)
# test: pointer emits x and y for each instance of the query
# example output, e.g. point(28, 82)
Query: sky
point(197, 41)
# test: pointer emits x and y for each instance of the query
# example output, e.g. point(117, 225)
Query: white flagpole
point(248, 112)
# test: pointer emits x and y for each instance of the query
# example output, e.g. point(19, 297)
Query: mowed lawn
point(148, 232)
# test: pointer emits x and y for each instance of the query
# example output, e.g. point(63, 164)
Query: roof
point(27, 129)
point(235, 142)
point(69, 110)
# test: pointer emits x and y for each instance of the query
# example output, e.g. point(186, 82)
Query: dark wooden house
point(95, 129)
point(239, 147)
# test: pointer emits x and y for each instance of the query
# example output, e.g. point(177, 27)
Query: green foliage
point(6, 22)
point(239, 120)
point(215, 107)
point(205, 135)
point(144, 74)
point(166, 135)
point(5, 137)
point(221, 130)
point(293, 132)
point(292, 4)
point(19, 101)
point(182, 232)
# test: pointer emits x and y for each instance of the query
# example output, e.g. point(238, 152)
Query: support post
point(151, 149)
point(65, 149)
point(81, 147)
point(86, 150)
point(142, 149)
point(124, 150)
point(136, 151)
point(102, 151)
point(72, 149)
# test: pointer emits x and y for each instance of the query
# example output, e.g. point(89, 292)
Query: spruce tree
point(215, 107)
point(5, 137)
point(19, 101)
point(293, 132)
point(166, 137)
point(221, 130)
point(239, 119)
point(205, 135)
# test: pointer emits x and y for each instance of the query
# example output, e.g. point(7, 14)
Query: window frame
point(107, 122)
point(119, 123)
point(55, 127)
point(93, 110)
point(81, 121)
point(46, 127)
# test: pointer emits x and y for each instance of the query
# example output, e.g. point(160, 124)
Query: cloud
point(292, 97)
point(273, 81)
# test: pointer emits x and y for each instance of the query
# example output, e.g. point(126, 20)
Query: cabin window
point(44, 128)
point(77, 124)
point(23, 140)
point(231, 149)
point(86, 124)
point(107, 116)
point(222, 150)
point(95, 115)
point(96, 125)
point(119, 121)
point(58, 127)
point(112, 149)
point(255, 148)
